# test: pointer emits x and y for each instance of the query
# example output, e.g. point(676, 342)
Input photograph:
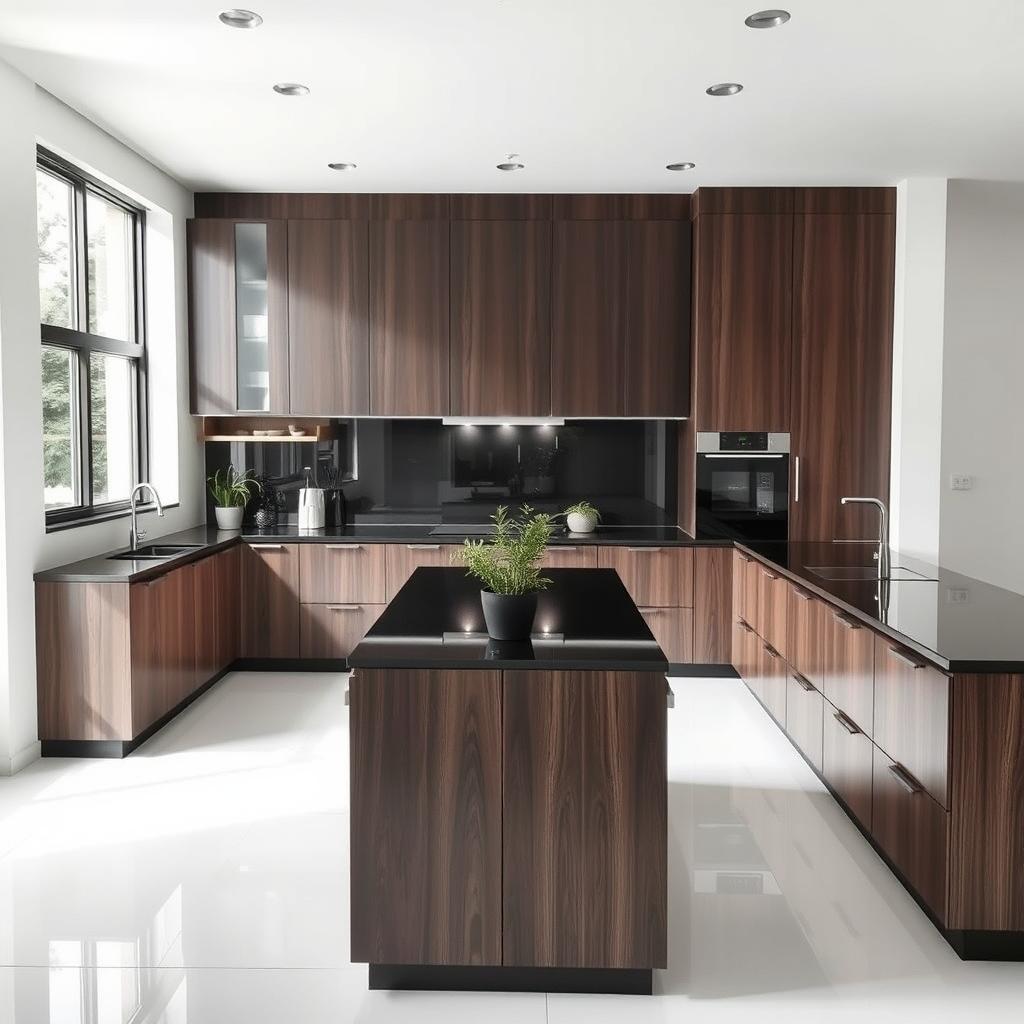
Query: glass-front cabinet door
point(238, 316)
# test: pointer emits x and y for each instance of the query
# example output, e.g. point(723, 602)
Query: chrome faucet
point(882, 554)
point(136, 534)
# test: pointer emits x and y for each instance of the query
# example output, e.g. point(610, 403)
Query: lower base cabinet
point(912, 829)
point(334, 630)
point(772, 682)
point(270, 601)
point(673, 629)
point(846, 762)
point(805, 708)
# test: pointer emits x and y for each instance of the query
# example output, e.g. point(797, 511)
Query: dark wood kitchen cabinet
point(238, 316)
point(332, 631)
point(500, 317)
point(807, 631)
point(585, 812)
point(842, 371)
point(409, 318)
point(270, 601)
point(773, 602)
point(849, 668)
point(742, 320)
point(805, 708)
point(712, 605)
point(328, 317)
point(426, 859)
point(655, 577)
point(772, 681)
point(846, 761)
point(673, 629)
point(218, 614)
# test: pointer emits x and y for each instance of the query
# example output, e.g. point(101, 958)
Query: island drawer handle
point(267, 547)
point(644, 551)
point(844, 621)
point(745, 625)
point(423, 547)
point(344, 607)
point(343, 547)
point(654, 611)
point(564, 547)
point(905, 779)
point(770, 651)
point(847, 723)
point(805, 684)
point(801, 594)
point(746, 558)
point(905, 658)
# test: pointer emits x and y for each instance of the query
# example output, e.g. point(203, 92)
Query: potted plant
point(231, 490)
point(508, 566)
point(582, 517)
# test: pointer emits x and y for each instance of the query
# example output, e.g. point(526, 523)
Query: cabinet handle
point(654, 611)
point(796, 478)
point(905, 658)
point(645, 551)
point(770, 651)
point(847, 723)
point(563, 547)
point(423, 547)
point(746, 558)
point(744, 625)
point(845, 622)
point(343, 547)
point(905, 779)
point(802, 595)
point(805, 684)
point(267, 547)
point(769, 575)
point(345, 607)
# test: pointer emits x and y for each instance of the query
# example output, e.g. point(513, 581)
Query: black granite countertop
point(104, 569)
point(585, 620)
point(958, 623)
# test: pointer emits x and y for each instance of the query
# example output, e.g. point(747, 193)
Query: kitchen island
point(508, 800)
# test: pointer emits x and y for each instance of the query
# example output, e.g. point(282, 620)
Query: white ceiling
point(596, 95)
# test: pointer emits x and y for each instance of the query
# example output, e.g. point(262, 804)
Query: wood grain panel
point(500, 318)
point(846, 762)
point(739, 593)
point(589, 317)
point(986, 888)
point(163, 652)
point(850, 668)
point(807, 627)
point(773, 675)
point(328, 317)
point(285, 205)
point(741, 201)
point(426, 819)
point(751, 594)
point(334, 630)
point(744, 651)
point(409, 318)
point(83, 664)
point(712, 605)
point(673, 629)
point(409, 206)
point(568, 557)
point(229, 605)
point(621, 206)
point(772, 602)
point(654, 577)
point(217, 586)
point(913, 830)
point(270, 600)
point(844, 200)
point(402, 560)
point(585, 810)
point(911, 715)
point(503, 206)
point(805, 708)
point(742, 317)
point(657, 339)
point(340, 573)
point(211, 316)
point(842, 371)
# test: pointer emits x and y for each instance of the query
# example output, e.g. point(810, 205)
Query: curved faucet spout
point(136, 534)
point(882, 555)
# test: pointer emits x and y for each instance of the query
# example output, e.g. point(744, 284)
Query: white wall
point(30, 116)
point(983, 382)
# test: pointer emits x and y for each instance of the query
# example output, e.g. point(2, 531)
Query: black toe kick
point(414, 977)
point(987, 945)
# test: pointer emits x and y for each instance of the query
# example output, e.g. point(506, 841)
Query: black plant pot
point(509, 616)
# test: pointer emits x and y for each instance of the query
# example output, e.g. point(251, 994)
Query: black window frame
point(83, 344)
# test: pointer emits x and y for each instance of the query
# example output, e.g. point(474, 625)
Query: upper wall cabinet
point(328, 317)
point(409, 318)
point(743, 295)
point(500, 317)
point(238, 316)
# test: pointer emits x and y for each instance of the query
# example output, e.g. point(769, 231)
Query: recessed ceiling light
point(342, 165)
point(724, 89)
point(291, 89)
point(511, 163)
point(683, 165)
point(238, 18)
point(767, 19)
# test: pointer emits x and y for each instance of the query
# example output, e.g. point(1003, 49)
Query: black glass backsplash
point(421, 471)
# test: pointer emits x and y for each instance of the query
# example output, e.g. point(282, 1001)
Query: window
point(93, 343)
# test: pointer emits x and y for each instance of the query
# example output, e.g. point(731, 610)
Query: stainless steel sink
point(154, 552)
point(866, 572)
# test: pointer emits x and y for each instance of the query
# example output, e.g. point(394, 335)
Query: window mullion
point(81, 320)
point(85, 426)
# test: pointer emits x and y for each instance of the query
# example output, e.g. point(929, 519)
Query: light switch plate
point(961, 482)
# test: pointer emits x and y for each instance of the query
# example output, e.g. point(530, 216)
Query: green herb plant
point(583, 508)
point(509, 563)
point(231, 489)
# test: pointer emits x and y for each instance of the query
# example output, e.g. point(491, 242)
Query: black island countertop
point(959, 623)
point(585, 620)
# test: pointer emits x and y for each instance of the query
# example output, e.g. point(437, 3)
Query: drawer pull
point(343, 547)
point(905, 779)
point(906, 659)
point(563, 547)
point(744, 625)
point(805, 684)
point(845, 621)
point(746, 558)
point(654, 611)
point(770, 651)
point(847, 723)
point(267, 547)
point(345, 607)
point(644, 551)
point(802, 595)
point(769, 575)
point(423, 547)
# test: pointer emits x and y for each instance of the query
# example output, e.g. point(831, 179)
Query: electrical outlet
point(958, 595)
point(962, 482)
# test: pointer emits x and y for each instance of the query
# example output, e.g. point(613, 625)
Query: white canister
point(311, 509)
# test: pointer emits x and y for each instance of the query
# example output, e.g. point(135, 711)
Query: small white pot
point(229, 518)
point(580, 524)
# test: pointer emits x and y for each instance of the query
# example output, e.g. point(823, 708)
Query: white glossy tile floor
point(205, 879)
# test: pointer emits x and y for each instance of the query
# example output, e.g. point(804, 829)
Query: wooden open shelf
point(240, 428)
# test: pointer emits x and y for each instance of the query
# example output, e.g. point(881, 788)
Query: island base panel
point(421, 978)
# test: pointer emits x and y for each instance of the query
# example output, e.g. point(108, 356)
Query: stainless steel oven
point(743, 485)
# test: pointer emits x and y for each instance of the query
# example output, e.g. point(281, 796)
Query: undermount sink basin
point(156, 551)
point(866, 572)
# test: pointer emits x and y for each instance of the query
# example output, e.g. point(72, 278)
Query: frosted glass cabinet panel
point(251, 288)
